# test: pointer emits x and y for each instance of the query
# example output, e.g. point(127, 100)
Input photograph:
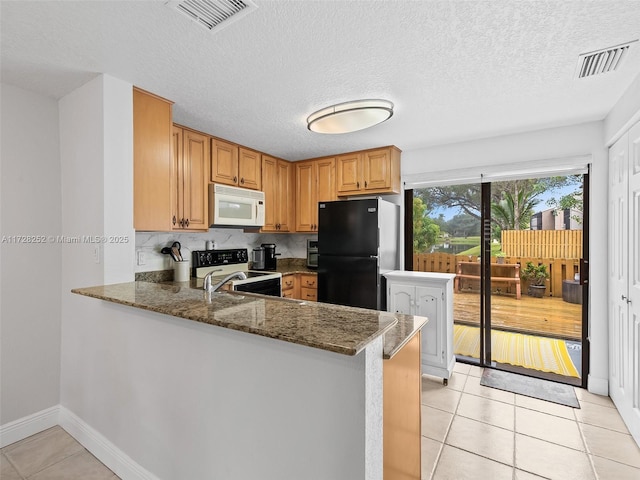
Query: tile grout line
point(584, 442)
point(515, 409)
point(15, 468)
point(435, 465)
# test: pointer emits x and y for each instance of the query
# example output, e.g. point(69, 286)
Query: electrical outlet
point(141, 260)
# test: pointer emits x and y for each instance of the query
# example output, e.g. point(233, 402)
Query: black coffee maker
point(270, 262)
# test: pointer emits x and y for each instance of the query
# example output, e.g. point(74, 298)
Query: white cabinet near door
point(429, 295)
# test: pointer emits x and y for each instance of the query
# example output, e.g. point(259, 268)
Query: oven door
point(272, 287)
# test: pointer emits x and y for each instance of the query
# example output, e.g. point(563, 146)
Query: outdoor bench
point(500, 272)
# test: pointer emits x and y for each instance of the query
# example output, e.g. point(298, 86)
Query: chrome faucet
point(214, 288)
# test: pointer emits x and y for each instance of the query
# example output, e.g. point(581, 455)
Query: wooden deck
point(548, 316)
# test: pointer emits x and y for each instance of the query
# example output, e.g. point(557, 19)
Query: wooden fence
point(559, 268)
point(552, 244)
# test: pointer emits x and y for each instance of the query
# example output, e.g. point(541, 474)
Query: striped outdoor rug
point(528, 351)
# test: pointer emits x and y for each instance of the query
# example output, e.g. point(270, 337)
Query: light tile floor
point(470, 431)
point(51, 455)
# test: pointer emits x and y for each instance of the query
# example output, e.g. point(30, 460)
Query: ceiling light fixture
point(350, 116)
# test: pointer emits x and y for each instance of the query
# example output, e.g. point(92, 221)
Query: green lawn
point(495, 249)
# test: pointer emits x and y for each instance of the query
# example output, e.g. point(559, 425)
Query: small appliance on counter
point(312, 254)
point(257, 257)
point(270, 261)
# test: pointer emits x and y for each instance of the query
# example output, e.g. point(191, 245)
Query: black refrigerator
point(357, 243)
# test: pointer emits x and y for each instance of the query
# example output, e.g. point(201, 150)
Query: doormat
point(528, 351)
point(530, 387)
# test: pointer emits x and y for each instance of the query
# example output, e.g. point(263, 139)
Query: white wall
point(97, 171)
point(527, 148)
point(624, 114)
point(30, 273)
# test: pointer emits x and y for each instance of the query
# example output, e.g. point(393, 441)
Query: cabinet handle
point(181, 222)
point(186, 222)
point(242, 180)
point(235, 179)
point(174, 219)
point(357, 184)
point(365, 184)
point(626, 299)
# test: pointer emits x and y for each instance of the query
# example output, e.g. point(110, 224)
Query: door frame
point(485, 280)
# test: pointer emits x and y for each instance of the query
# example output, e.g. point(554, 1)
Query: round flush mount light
point(350, 116)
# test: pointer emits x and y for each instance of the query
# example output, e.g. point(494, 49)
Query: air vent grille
point(602, 61)
point(213, 14)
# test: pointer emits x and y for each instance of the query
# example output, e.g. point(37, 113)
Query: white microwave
point(235, 207)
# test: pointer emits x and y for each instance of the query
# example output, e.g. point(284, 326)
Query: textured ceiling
point(456, 70)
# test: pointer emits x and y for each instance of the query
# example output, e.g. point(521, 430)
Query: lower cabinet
point(401, 413)
point(429, 295)
point(301, 286)
point(309, 287)
point(291, 286)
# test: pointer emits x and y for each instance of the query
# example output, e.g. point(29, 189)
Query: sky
point(449, 213)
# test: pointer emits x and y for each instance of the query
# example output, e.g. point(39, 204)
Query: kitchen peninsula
point(233, 390)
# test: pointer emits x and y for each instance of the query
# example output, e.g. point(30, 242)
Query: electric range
point(224, 262)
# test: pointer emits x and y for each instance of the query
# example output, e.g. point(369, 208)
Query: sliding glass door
point(516, 248)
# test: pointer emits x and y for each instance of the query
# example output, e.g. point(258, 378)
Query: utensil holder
point(181, 271)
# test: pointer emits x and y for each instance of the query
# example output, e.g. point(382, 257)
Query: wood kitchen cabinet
point(309, 287)
point(291, 285)
point(235, 165)
point(153, 192)
point(302, 286)
point(190, 178)
point(368, 172)
point(315, 182)
point(277, 183)
point(402, 389)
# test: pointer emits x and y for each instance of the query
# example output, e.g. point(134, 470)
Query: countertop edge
point(328, 347)
point(389, 354)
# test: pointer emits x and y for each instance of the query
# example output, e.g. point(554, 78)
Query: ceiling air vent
point(213, 14)
point(602, 61)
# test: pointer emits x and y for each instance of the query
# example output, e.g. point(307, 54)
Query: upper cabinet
point(234, 165)
point(368, 172)
point(153, 189)
point(315, 182)
point(224, 162)
point(277, 183)
point(190, 174)
point(249, 169)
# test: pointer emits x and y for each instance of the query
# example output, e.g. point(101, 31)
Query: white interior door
point(624, 278)
point(633, 416)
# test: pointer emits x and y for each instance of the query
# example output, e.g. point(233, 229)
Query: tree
point(572, 201)
point(514, 210)
point(512, 201)
point(463, 225)
point(425, 230)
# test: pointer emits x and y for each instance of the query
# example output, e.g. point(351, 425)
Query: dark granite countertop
point(344, 330)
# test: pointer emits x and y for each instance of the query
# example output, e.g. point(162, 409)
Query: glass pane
point(446, 239)
point(536, 245)
point(230, 209)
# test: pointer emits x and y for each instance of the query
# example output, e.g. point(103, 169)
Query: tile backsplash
point(293, 245)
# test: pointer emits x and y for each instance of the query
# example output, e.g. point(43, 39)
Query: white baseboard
point(599, 386)
point(30, 425)
point(105, 451)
